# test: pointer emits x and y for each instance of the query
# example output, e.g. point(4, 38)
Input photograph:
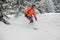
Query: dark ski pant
point(4, 21)
point(30, 18)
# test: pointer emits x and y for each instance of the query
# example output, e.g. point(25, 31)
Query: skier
point(2, 15)
point(30, 12)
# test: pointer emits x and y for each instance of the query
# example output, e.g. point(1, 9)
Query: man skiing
point(2, 15)
point(30, 12)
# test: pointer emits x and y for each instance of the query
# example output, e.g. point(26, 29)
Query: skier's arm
point(35, 16)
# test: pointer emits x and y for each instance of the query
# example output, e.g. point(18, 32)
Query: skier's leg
point(6, 22)
point(28, 18)
point(31, 20)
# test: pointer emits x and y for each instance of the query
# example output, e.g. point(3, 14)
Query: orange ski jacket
point(30, 11)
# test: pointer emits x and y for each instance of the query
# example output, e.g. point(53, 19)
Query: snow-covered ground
point(48, 28)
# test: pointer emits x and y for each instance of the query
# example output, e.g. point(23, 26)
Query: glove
point(36, 19)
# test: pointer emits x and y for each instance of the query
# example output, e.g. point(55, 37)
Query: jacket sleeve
point(34, 14)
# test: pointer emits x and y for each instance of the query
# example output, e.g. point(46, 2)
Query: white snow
point(48, 28)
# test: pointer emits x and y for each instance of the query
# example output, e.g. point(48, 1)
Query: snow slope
point(48, 28)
